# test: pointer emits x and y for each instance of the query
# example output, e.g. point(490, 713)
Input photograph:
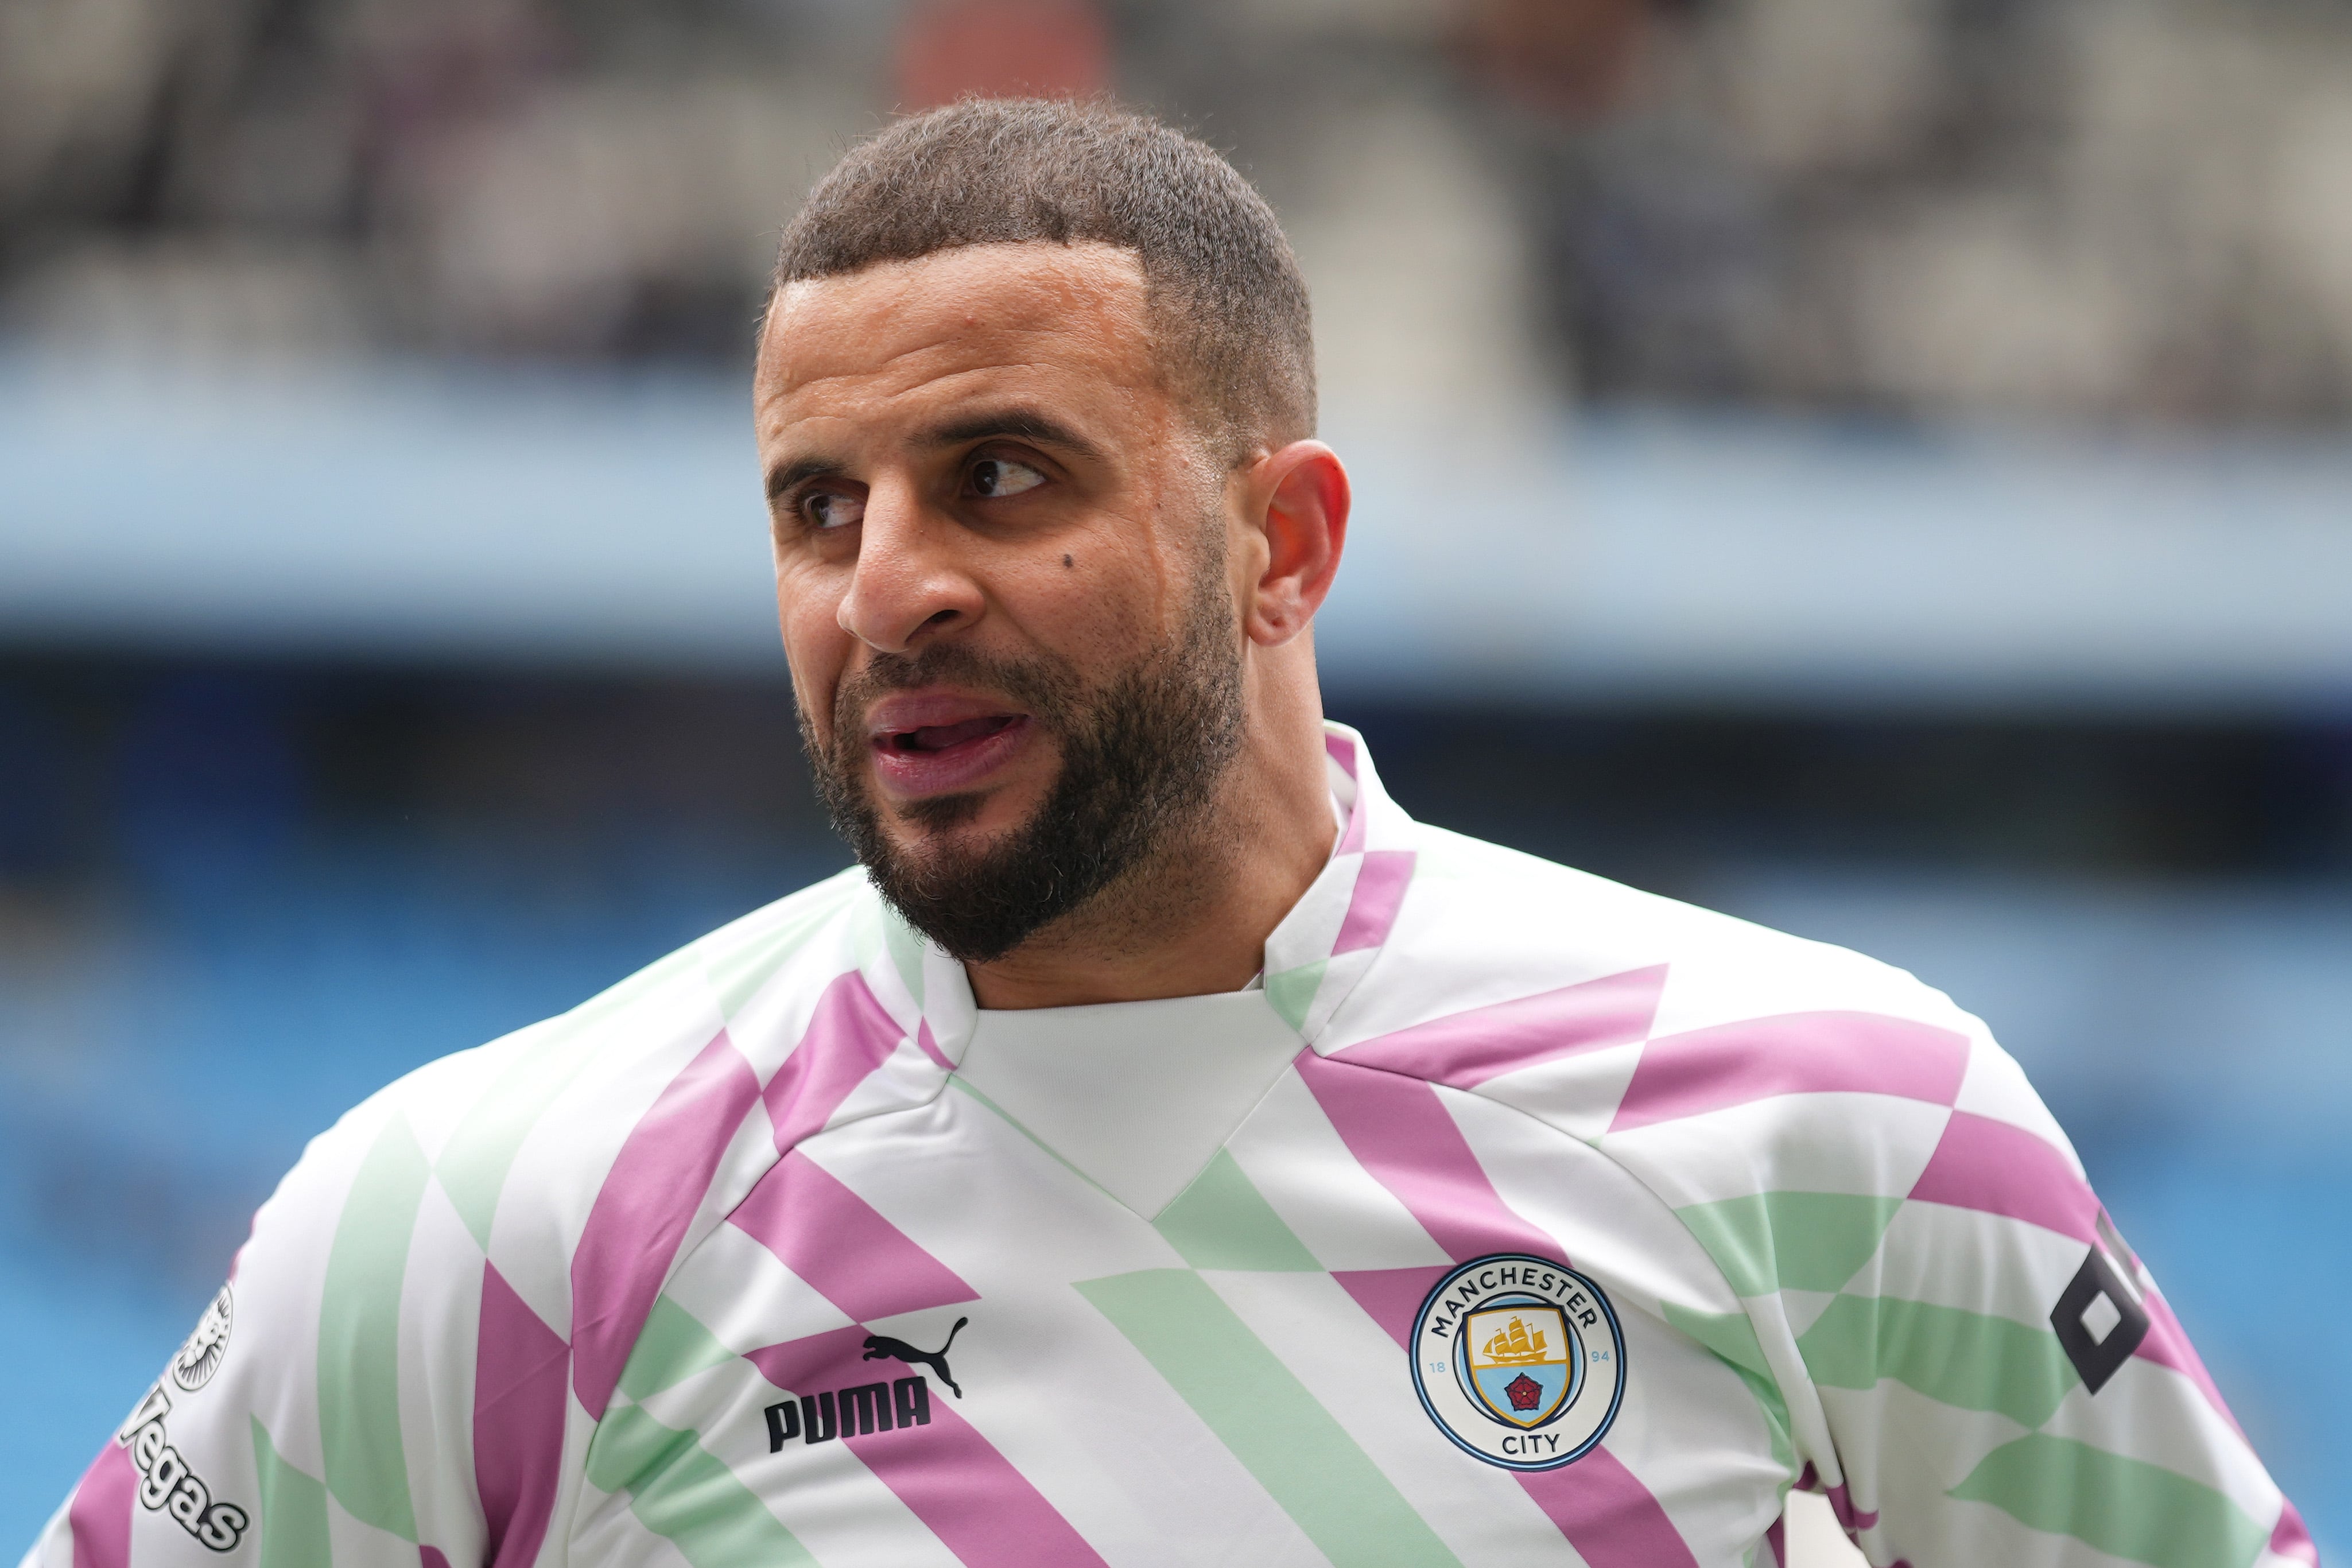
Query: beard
point(1141, 755)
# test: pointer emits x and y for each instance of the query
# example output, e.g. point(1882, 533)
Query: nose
point(908, 584)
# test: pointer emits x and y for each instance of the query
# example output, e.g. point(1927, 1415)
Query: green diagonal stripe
point(1292, 992)
point(1970, 1360)
point(2126, 1508)
point(1731, 1337)
point(1797, 1241)
point(682, 1492)
point(474, 1164)
point(1222, 1221)
point(963, 1086)
point(672, 1347)
point(1266, 1418)
point(293, 1523)
point(359, 1335)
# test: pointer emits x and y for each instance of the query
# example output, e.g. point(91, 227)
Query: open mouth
point(945, 737)
point(943, 743)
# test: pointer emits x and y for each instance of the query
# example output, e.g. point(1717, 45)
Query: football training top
point(1513, 1217)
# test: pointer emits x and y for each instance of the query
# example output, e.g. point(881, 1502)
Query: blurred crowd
point(2112, 210)
point(376, 509)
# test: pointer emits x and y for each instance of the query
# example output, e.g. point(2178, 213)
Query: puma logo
point(880, 1346)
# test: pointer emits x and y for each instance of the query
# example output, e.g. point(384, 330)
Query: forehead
point(1036, 320)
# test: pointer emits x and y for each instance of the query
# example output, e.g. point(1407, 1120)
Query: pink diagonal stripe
point(1390, 1297)
point(517, 1422)
point(849, 1036)
point(841, 1244)
point(1851, 1520)
point(431, 1557)
point(1467, 1048)
point(2290, 1539)
point(2167, 1344)
point(1796, 1053)
point(986, 1513)
point(1343, 751)
point(1997, 1167)
point(1400, 1130)
point(99, 1517)
point(982, 1510)
point(642, 1211)
point(1352, 838)
point(1607, 1514)
point(1379, 893)
point(829, 1359)
point(930, 1046)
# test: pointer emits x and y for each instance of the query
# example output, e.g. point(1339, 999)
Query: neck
point(1193, 920)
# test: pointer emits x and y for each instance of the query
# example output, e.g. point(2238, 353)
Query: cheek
point(815, 645)
point(1092, 618)
point(1106, 603)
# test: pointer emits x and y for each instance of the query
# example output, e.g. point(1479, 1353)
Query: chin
point(967, 816)
point(921, 822)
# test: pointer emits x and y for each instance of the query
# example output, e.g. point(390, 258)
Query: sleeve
point(321, 1410)
point(1999, 1379)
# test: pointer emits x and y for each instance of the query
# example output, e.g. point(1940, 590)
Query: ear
point(1297, 498)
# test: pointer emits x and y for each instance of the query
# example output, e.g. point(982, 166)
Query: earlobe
point(1300, 498)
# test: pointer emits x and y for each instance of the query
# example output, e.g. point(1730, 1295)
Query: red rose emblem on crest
point(1525, 1391)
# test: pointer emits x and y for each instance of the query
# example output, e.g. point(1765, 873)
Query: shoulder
point(1703, 1051)
point(679, 1001)
point(1482, 921)
point(500, 1150)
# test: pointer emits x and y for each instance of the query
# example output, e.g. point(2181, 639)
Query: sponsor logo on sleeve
point(2102, 1315)
point(167, 1485)
point(1519, 1361)
point(200, 1357)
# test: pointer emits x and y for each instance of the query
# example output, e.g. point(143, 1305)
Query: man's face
point(1001, 573)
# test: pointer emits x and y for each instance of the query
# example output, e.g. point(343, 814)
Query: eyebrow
point(799, 471)
point(1019, 423)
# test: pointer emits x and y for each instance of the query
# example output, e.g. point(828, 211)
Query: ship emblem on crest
point(1519, 1361)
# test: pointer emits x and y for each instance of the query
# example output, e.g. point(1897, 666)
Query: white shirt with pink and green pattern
point(783, 1252)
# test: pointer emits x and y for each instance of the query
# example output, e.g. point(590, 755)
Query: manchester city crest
point(1519, 1361)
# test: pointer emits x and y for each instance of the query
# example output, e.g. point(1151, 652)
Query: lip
point(944, 762)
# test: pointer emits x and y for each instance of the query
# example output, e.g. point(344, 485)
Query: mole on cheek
point(1066, 562)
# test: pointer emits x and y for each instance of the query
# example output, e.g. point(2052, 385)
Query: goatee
point(1141, 755)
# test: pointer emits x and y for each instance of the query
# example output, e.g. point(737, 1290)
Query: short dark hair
point(1227, 306)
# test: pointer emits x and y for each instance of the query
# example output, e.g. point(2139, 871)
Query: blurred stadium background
point(1876, 465)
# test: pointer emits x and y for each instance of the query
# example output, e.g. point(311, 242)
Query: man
point(1161, 1150)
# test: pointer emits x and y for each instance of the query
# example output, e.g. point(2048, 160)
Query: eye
point(828, 510)
point(1003, 477)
